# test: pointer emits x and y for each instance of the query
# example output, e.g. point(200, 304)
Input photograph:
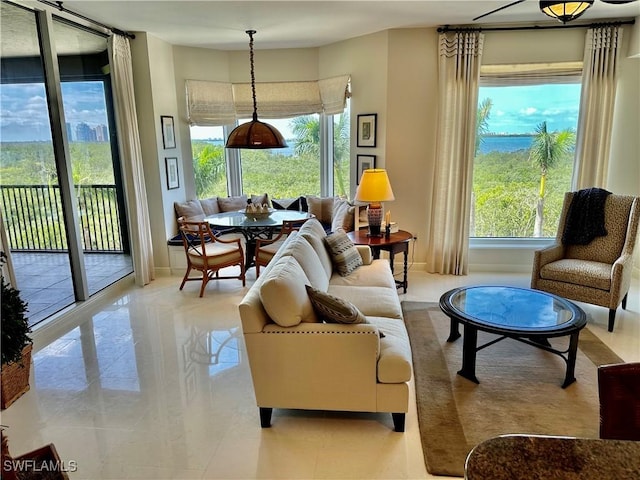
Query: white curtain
point(218, 103)
point(131, 158)
point(459, 73)
point(599, 81)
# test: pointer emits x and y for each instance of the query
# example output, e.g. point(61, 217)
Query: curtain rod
point(448, 28)
point(58, 6)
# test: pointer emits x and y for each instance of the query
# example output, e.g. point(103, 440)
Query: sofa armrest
point(315, 366)
point(542, 257)
point(365, 253)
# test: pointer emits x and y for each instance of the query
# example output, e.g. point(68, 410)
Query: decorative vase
point(14, 378)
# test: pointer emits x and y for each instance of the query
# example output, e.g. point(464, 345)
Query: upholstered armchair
point(619, 393)
point(599, 272)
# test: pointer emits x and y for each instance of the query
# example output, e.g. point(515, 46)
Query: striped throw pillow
point(344, 254)
point(332, 309)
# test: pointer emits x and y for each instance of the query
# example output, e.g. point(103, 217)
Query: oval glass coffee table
point(529, 316)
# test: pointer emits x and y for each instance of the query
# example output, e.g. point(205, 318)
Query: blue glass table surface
point(513, 308)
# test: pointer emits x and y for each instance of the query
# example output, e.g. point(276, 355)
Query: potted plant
point(16, 343)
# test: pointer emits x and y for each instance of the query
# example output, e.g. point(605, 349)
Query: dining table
point(254, 227)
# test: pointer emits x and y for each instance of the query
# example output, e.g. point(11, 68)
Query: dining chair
point(266, 248)
point(208, 254)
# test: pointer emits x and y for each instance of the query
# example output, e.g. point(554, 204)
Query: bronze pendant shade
point(565, 11)
point(255, 134)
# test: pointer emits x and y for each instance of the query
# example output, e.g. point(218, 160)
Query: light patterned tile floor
point(155, 384)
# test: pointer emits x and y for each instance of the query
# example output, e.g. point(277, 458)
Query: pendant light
point(255, 134)
point(563, 10)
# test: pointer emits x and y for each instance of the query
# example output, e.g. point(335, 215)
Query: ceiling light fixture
point(255, 134)
point(564, 11)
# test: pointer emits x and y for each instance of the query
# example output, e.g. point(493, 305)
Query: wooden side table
point(396, 243)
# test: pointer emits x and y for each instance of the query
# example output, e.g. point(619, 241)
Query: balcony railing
point(34, 218)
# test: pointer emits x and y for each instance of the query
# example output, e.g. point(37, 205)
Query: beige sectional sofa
point(300, 362)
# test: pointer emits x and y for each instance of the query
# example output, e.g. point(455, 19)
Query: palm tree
point(307, 132)
point(482, 121)
point(545, 151)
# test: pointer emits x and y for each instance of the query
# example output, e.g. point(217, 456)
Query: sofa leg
point(612, 319)
point(624, 301)
point(398, 421)
point(265, 417)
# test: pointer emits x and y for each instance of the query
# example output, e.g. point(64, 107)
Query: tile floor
point(155, 384)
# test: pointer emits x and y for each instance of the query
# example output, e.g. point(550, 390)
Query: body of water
point(505, 144)
point(489, 144)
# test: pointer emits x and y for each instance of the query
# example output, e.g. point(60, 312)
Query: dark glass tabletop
point(512, 309)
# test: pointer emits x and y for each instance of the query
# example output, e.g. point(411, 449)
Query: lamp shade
point(255, 134)
point(563, 10)
point(374, 187)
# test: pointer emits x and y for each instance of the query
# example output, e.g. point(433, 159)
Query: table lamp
point(374, 188)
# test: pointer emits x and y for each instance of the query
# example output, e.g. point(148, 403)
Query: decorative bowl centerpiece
point(258, 212)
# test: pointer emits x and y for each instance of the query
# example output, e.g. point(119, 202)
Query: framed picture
point(367, 130)
point(168, 133)
point(364, 162)
point(173, 180)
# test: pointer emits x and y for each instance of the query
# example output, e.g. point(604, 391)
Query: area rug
point(519, 391)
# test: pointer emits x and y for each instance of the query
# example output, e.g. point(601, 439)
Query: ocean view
point(505, 144)
point(489, 144)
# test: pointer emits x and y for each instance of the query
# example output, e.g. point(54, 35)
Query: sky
point(520, 109)
point(24, 117)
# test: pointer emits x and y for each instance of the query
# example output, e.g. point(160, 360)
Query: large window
point(525, 146)
point(282, 173)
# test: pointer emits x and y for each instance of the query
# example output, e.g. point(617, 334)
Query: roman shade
point(219, 103)
point(530, 74)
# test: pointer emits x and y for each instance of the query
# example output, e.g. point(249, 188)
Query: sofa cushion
point(343, 215)
point(303, 252)
point(284, 296)
point(232, 204)
point(377, 274)
point(372, 301)
point(579, 272)
point(210, 205)
point(394, 361)
point(321, 207)
point(333, 309)
point(191, 210)
point(344, 253)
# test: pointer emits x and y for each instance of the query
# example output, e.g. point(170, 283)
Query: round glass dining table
point(254, 228)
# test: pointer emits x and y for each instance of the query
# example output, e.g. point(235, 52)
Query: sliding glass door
point(61, 193)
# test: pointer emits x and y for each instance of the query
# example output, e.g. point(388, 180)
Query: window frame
point(521, 75)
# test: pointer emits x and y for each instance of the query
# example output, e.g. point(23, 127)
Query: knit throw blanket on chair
point(585, 217)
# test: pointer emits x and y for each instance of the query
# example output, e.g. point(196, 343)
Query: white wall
point(394, 74)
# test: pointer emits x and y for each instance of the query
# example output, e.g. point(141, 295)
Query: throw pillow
point(321, 207)
point(334, 309)
point(344, 254)
point(191, 210)
point(261, 199)
point(232, 204)
point(343, 214)
point(299, 204)
point(283, 294)
point(210, 205)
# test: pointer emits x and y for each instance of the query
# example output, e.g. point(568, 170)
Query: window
point(209, 164)
point(525, 146)
point(282, 173)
